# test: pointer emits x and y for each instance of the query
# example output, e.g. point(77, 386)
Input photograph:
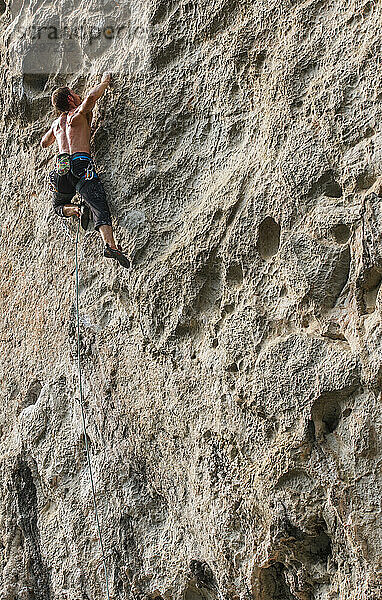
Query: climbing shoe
point(84, 216)
point(117, 254)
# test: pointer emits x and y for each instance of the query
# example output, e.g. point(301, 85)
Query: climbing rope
point(84, 420)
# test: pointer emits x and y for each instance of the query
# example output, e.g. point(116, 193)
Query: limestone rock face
point(232, 377)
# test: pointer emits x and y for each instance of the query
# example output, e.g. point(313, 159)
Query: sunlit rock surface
point(233, 377)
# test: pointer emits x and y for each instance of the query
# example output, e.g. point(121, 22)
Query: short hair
point(60, 99)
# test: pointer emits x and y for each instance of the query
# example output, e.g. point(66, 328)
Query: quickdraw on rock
point(52, 182)
point(89, 174)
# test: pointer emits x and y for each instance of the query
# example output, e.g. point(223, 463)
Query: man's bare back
point(72, 132)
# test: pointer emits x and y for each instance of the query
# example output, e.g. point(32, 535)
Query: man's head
point(64, 99)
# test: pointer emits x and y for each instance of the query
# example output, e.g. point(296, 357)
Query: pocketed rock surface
point(232, 377)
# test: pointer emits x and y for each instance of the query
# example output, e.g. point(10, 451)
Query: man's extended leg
point(112, 251)
point(106, 232)
point(94, 196)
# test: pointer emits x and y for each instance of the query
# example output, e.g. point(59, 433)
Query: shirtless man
point(74, 171)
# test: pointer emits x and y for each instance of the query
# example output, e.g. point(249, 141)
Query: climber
point(74, 170)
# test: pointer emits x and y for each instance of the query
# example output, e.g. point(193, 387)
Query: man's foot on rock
point(84, 216)
point(117, 254)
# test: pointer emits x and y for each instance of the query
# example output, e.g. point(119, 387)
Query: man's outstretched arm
point(48, 139)
point(95, 94)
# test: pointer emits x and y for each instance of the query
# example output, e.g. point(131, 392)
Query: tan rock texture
point(233, 375)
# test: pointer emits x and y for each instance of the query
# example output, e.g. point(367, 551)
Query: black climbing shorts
point(76, 173)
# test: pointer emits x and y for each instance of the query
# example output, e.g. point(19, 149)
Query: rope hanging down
point(84, 421)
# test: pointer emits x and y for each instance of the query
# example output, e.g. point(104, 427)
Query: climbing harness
point(84, 420)
point(90, 172)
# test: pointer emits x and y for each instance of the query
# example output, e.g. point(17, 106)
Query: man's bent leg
point(63, 192)
point(71, 210)
point(62, 203)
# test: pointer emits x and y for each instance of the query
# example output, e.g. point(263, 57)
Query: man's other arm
point(95, 94)
point(48, 139)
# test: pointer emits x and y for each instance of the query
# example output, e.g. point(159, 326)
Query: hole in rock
point(32, 394)
point(294, 479)
point(365, 180)
point(278, 581)
point(167, 54)
point(371, 278)
point(82, 444)
point(370, 299)
point(235, 134)
point(235, 89)
point(269, 238)
point(218, 215)
point(319, 546)
point(227, 309)
point(326, 411)
point(231, 214)
point(341, 233)
point(369, 132)
point(367, 8)
point(34, 82)
point(272, 584)
point(193, 593)
point(378, 378)
point(371, 283)
point(159, 329)
point(331, 416)
point(186, 329)
point(233, 368)
point(310, 431)
point(333, 189)
point(327, 185)
point(26, 492)
point(338, 277)
point(3, 7)
point(203, 574)
point(260, 58)
point(297, 103)
point(162, 11)
point(235, 274)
